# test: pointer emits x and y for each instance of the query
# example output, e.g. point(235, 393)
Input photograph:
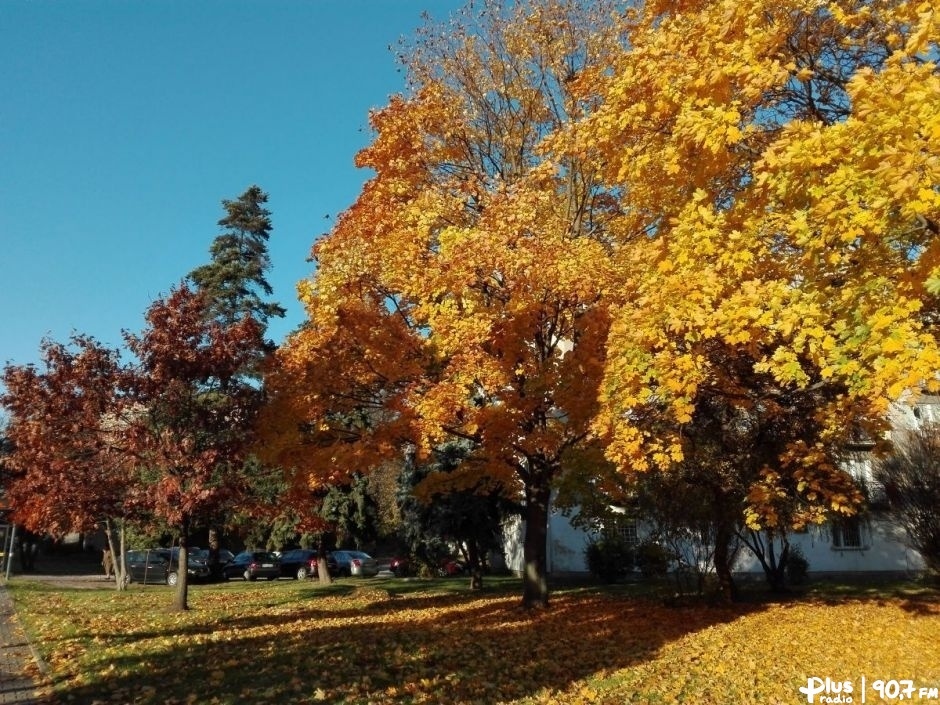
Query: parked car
point(355, 563)
point(161, 565)
point(202, 554)
point(215, 568)
point(449, 566)
point(252, 565)
point(301, 563)
point(400, 567)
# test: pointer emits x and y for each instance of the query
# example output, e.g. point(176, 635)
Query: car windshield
point(264, 557)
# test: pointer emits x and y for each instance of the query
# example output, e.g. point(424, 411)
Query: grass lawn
point(393, 641)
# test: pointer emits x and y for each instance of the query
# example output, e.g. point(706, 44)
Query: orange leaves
point(674, 224)
point(463, 293)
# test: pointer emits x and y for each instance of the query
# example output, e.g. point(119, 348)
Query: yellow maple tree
point(779, 178)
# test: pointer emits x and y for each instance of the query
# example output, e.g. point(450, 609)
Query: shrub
point(652, 559)
point(609, 558)
point(797, 566)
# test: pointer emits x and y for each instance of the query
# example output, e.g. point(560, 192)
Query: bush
point(911, 481)
point(653, 559)
point(797, 566)
point(609, 558)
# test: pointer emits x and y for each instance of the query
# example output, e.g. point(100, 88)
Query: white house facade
point(871, 543)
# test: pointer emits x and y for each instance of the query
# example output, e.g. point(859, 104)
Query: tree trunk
point(121, 561)
point(727, 590)
point(323, 569)
point(775, 570)
point(476, 568)
point(117, 554)
point(777, 578)
point(534, 577)
point(215, 548)
point(181, 601)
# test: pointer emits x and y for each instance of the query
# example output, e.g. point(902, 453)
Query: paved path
point(20, 669)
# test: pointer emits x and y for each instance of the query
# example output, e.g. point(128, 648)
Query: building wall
point(565, 545)
point(883, 549)
point(882, 546)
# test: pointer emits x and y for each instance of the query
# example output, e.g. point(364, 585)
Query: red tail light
point(356, 562)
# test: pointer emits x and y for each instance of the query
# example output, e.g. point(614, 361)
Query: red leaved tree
point(195, 411)
point(67, 468)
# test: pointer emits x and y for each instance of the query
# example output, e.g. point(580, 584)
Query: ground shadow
point(449, 649)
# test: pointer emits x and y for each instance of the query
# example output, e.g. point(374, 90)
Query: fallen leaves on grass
point(282, 643)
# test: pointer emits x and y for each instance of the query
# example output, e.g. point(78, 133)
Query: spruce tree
point(234, 280)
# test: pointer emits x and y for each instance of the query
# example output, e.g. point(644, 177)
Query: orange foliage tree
point(584, 221)
point(461, 296)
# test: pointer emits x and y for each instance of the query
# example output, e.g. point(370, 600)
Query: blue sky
point(123, 124)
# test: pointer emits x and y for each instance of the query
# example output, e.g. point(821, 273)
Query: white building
point(872, 543)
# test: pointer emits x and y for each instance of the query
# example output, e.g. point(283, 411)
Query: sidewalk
point(20, 669)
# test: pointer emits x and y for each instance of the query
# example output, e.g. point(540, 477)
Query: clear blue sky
point(123, 124)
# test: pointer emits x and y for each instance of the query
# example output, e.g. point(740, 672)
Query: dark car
point(301, 563)
point(252, 565)
point(161, 565)
point(203, 555)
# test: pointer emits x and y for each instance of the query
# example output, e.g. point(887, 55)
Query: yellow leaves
point(805, 74)
point(293, 642)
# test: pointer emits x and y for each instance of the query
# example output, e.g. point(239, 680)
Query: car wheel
point(303, 573)
point(172, 578)
point(247, 575)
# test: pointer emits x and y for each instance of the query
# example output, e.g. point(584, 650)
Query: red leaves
point(66, 456)
point(182, 344)
point(92, 437)
point(196, 407)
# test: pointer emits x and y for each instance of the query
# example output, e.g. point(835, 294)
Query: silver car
point(355, 563)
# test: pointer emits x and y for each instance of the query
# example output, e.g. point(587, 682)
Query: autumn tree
point(195, 411)
point(777, 181)
point(67, 469)
point(461, 296)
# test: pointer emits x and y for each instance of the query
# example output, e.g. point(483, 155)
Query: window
point(847, 533)
point(626, 530)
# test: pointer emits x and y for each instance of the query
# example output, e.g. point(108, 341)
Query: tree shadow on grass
point(449, 649)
